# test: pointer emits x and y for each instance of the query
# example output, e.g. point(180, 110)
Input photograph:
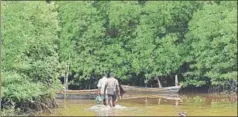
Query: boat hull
point(173, 89)
point(91, 94)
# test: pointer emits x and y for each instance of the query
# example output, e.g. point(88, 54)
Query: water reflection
point(171, 99)
point(134, 104)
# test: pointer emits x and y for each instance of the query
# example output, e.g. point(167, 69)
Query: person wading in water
point(101, 85)
point(113, 90)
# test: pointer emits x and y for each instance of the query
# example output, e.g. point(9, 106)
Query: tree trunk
point(176, 80)
point(159, 83)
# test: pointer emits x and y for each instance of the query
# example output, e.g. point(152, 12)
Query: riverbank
point(30, 107)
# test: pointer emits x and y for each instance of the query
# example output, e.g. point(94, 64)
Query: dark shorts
point(111, 97)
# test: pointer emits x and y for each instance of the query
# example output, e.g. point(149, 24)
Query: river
point(194, 104)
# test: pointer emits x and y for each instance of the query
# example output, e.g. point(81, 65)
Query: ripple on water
point(102, 110)
point(102, 107)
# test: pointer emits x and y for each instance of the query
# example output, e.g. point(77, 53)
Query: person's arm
point(105, 88)
point(118, 89)
point(99, 91)
point(99, 87)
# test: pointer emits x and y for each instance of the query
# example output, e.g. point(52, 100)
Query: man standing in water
point(101, 86)
point(113, 90)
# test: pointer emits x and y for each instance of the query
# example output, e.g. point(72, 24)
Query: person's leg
point(114, 100)
point(110, 100)
point(106, 100)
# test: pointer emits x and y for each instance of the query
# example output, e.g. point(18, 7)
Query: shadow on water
point(153, 104)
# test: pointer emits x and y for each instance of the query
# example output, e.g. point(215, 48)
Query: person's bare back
point(112, 87)
point(112, 84)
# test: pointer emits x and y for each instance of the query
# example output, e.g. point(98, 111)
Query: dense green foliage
point(150, 39)
point(212, 41)
point(196, 40)
point(29, 51)
point(123, 37)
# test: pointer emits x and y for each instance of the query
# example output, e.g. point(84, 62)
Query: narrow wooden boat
point(172, 89)
point(77, 94)
point(91, 94)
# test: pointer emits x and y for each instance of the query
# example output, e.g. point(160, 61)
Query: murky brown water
point(153, 105)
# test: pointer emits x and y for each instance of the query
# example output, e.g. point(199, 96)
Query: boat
point(172, 89)
point(91, 94)
point(77, 94)
point(160, 89)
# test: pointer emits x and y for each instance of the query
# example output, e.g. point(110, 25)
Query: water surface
point(153, 105)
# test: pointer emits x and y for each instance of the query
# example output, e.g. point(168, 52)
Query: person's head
point(112, 74)
point(104, 74)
